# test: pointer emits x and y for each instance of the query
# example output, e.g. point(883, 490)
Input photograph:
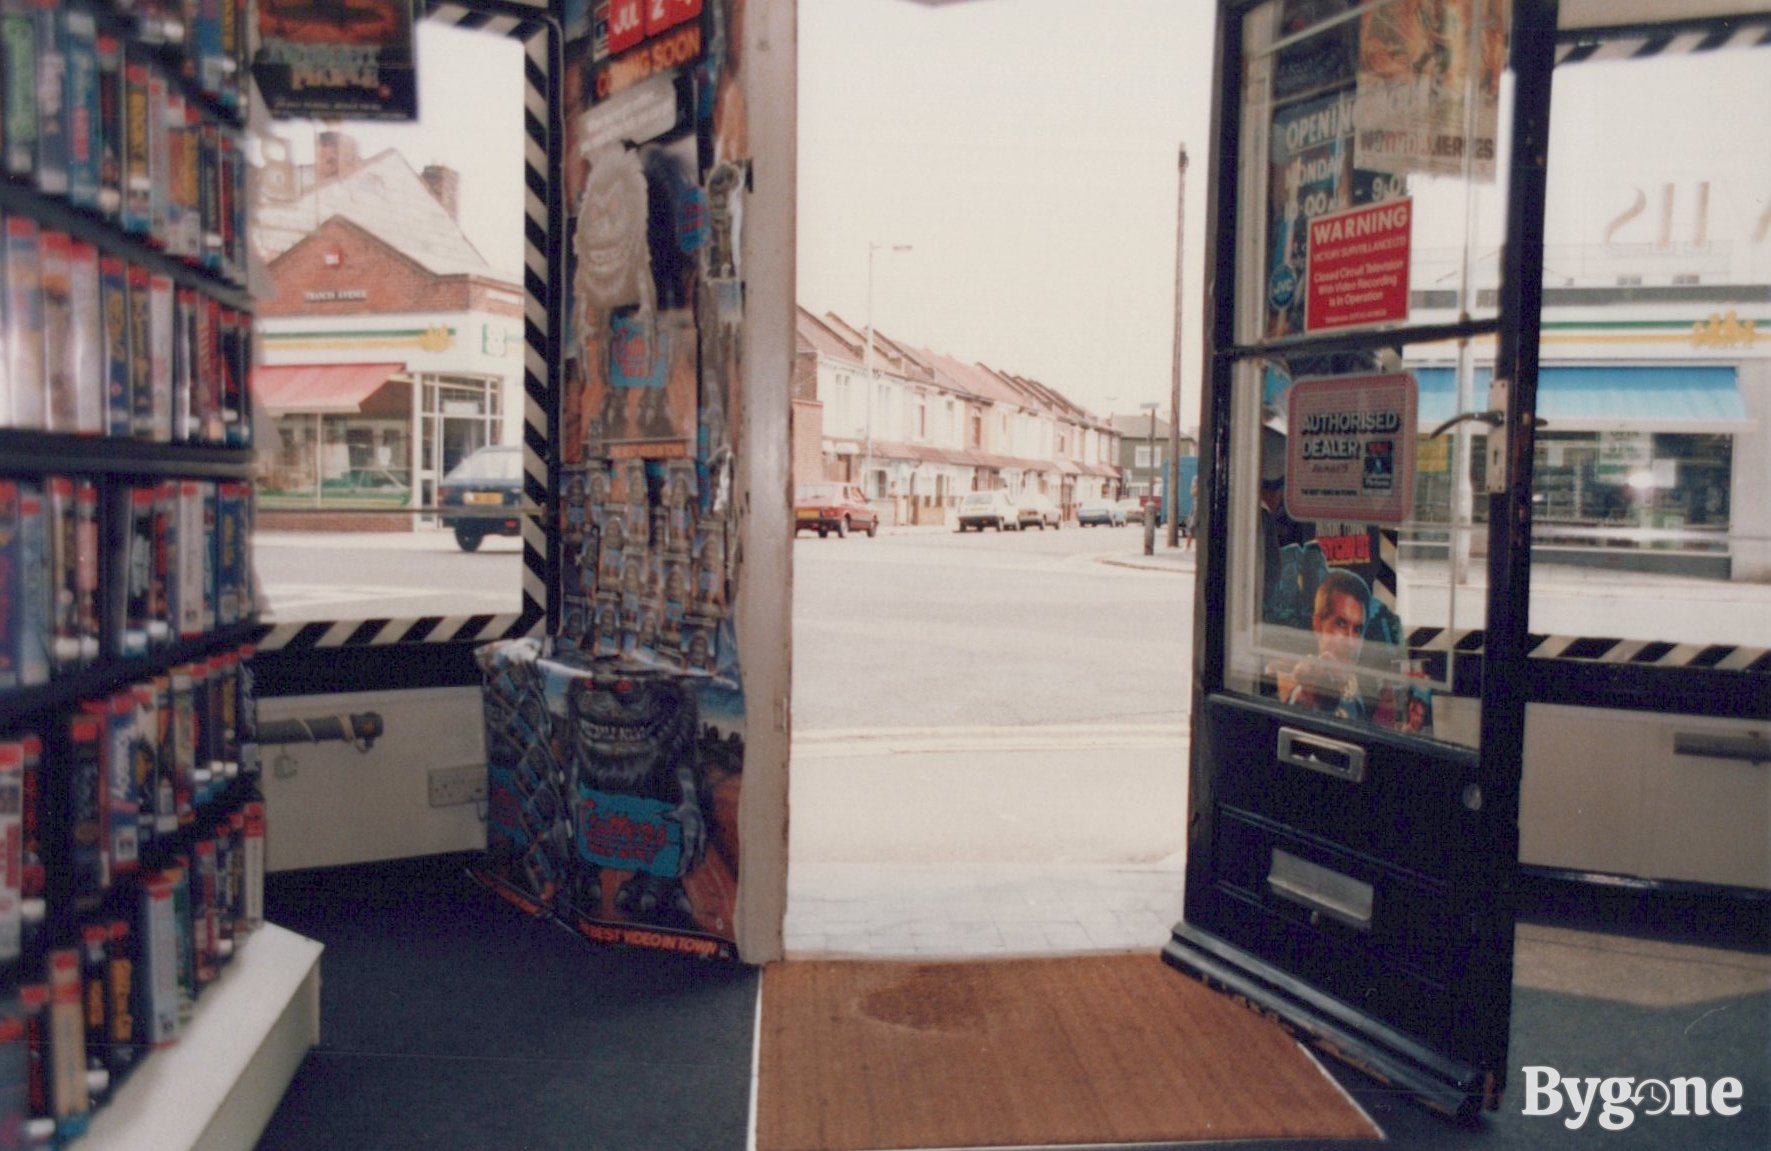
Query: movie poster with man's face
point(1337, 461)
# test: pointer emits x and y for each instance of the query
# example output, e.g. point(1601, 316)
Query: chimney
point(335, 156)
point(444, 184)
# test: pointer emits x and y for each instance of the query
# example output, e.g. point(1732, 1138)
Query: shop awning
point(320, 389)
point(1661, 398)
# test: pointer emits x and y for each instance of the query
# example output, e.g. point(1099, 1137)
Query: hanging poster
point(617, 743)
point(1323, 60)
point(1350, 453)
point(1311, 175)
point(1328, 619)
point(1429, 86)
point(337, 59)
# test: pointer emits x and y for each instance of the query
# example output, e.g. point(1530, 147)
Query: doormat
point(1096, 1049)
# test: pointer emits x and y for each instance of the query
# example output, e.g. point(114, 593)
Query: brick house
point(391, 350)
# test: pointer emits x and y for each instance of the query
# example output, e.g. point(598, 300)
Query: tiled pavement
point(979, 909)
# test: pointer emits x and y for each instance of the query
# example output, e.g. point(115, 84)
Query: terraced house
point(918, 428)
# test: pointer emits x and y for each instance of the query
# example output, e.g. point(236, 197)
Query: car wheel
point(468, 539)
point(872, 529)
point(998, 525)
point(842, 528)
point(823, 533)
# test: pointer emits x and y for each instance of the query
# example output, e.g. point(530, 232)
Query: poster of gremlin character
point(654, 763)
point(622, 822)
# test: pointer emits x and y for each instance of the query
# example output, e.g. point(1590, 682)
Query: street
point(385, 575)
point(929, 628)
point(916, 628)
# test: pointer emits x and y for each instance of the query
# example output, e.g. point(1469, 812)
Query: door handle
point(1316, 753)
point(1492, 419)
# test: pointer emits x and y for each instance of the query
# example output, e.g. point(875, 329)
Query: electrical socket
point(450, 786)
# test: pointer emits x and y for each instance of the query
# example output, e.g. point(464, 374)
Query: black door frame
point(1453, 1086)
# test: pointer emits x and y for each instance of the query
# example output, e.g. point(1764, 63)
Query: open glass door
point(1354, 800)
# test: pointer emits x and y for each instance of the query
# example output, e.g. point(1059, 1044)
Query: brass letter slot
point(1323, 891)
point(1329, 756)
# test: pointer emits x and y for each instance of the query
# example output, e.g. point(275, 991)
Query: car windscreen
point(980, 499)
point(501, 464)
point(809, 492)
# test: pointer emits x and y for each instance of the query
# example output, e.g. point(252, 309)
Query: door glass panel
point(1349, 106)
point(1351, 607)
point(1652, 482)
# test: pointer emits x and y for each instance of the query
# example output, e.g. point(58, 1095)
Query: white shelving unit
point(217, 1087)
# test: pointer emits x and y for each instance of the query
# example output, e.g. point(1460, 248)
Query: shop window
point(392, 344)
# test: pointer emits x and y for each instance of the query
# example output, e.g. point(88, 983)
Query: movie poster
point(1429, 86)
point(1311, 175)
point(1327, 618)
point(612, 798)
point(617, 744)
point(337, 59)
point(1326, 60)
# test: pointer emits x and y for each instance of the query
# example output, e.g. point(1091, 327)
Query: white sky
point(470, 107)
point(1027, 149)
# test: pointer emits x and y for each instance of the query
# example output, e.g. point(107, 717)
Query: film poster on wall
point(617, 745)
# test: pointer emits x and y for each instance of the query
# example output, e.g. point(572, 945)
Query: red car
point(833, 507)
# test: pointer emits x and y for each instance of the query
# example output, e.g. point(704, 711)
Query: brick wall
point(341, 270)
point(805, 375)
point(808, 440)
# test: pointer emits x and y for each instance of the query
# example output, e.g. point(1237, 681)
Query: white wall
point(329, 804)
point(1605, 791)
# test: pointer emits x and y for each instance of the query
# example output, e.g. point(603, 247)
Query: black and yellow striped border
point(533, 24)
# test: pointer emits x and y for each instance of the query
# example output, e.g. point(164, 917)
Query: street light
point(1149, 520)
point(1172, 497)
point(872, 383)
point(1152, 409)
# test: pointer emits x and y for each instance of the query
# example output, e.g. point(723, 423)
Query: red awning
point(325, 389)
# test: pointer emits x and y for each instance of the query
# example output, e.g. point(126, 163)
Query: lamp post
point(1149, 523)
point(1173, 495)
point(872, 382)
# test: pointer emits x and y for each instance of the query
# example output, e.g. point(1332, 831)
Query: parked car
point(1036, 511)
point(489, 479)
point(1101, 512)
point(1134, 510)
point(993, 509)
point(833, 507)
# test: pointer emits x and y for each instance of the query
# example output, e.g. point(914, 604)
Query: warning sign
point(1357, 270)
